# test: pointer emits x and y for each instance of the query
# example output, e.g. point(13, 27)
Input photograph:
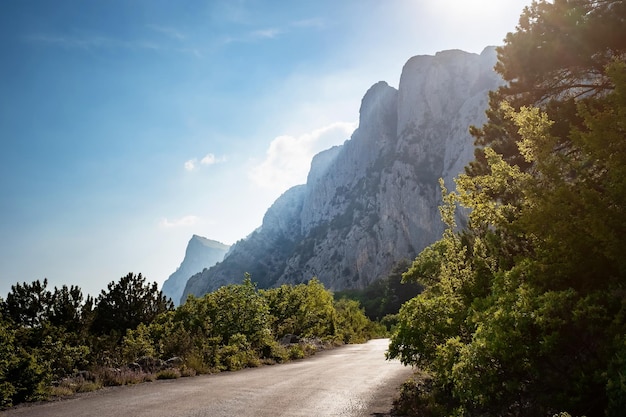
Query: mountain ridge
point(373, 201)
point(201, 253)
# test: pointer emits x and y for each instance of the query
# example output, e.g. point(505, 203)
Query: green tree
point(226, 329)
point(384, 297)
point(28, 305)
point(68, 309)
point(523, 311)
point(304, 310)
point(352, 324)
point(137, 343)
point(7, 358)
point(238, 309)
point(558, 52)
point(126, 304)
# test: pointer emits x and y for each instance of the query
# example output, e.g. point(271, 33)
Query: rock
point(149, 364)
point(174, 362)
point(134, 366)
point(289, 339)
point(201, 253)
point(372, 202)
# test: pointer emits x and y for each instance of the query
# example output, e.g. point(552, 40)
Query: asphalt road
point(353, 380)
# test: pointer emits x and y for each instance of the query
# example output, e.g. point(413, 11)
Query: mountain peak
point(373, 201)
point(201, 253)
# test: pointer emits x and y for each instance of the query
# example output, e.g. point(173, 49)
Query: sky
point(127, 126)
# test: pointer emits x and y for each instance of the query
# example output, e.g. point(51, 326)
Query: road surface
point(350, 381)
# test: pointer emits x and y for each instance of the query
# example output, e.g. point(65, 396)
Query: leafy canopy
point(523, 312)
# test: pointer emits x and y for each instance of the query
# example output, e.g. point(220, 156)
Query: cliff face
point(374, 200)
point(201, 253)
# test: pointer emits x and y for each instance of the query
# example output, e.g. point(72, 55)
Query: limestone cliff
point(201, 253)
point(374, 200)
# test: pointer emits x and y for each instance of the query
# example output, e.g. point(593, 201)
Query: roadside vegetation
point(523, 312)
point(56, 342)
point(382, 299)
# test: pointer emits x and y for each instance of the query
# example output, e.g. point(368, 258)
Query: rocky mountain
point(374, 200)
point(201, 253)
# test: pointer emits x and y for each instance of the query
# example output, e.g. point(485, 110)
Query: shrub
point(353, 326)
point(29, 378)
point(69, 386)
point(419, 398)
point(137, 343)
point(274, 351)
point(186, 371)
point(238, 354)
point(122, 376)
point(61, 391)
point(171, 373)
point(295, 352)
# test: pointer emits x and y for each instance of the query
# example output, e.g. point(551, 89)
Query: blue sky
point(127, 126)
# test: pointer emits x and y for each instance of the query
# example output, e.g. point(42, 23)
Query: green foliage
point(238, 354)
point(168, 374)
point(296, 352)
point(558, 53)
point(56, 336)
point(385, 296)
point(28, 376)
point(28, 305)
point(7, 359)
point(523, 311)
point(61, 354)
point(304, 310)
point(353, 325)
point(137, 343)
point(238, 310)
point(419, 397)
point(44, 339)
point(128, 303)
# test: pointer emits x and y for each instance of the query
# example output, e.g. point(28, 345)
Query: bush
point(122, 376)
point(29, 378)
point(418, 397)
point(238, 354)
point(304, 310)
point(295, 352)
point(171, 373)
point(69, 386)
point(274, 352)
point(353, 326)
point(137, 343)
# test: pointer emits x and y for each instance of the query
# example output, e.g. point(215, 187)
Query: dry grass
point(70, 386)
point(172, 373)
point(122, 376)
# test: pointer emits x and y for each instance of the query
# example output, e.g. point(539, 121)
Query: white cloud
point(270, 33)
point(208, 159)
point(181, 222)
point(288, 158)
point(190, 165)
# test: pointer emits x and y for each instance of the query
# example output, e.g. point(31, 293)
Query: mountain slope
point(374, 200)
point(201, 253)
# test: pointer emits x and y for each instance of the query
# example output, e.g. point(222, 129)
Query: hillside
point(201, 253)
point(373, 201)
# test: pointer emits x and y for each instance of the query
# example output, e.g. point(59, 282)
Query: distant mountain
point(201, 253)
point(373, 201)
